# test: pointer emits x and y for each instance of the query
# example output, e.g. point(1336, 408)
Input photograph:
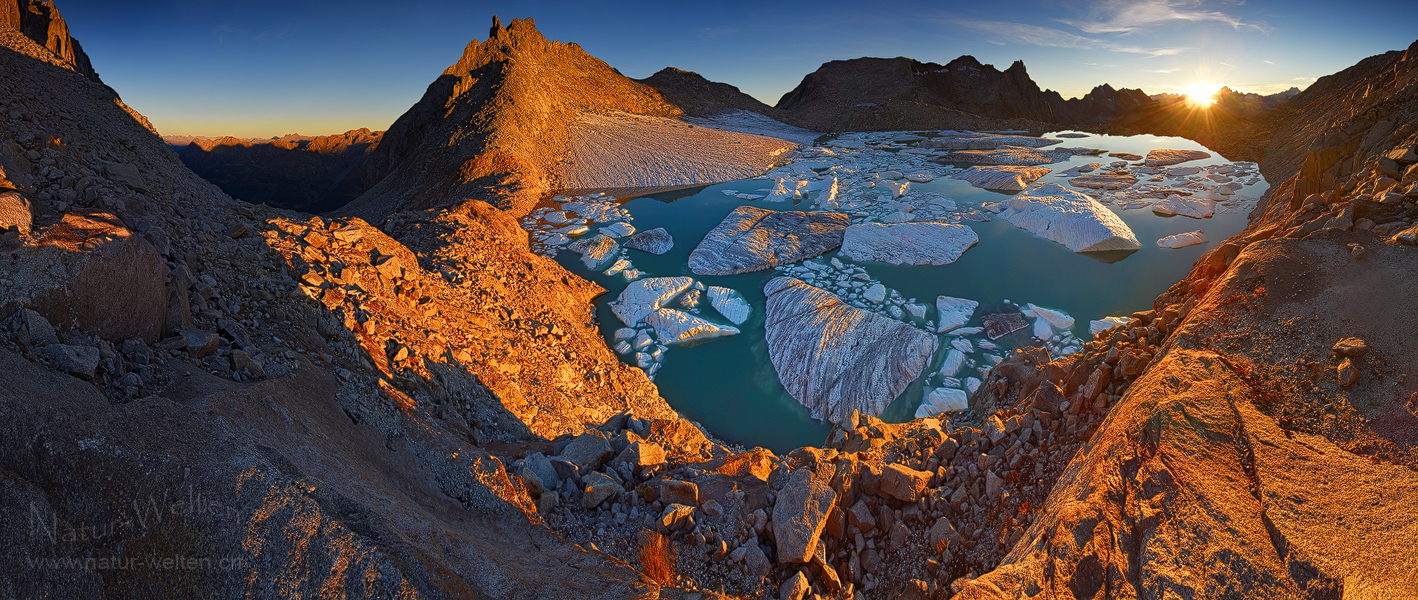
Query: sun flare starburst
point(1202, 95)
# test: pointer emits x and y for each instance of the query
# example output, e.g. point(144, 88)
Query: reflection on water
point(729, 384)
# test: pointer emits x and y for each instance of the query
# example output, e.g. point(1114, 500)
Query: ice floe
point(1182, 240)
point(1070, 218)
point(908, 243)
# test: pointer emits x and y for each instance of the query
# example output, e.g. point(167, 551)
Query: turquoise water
point(729, 384)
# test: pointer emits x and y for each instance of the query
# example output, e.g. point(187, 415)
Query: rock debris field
point(825, 221)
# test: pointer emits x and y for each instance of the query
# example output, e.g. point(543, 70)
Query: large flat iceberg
point(1075, 220)
point(908, 243)
point(833, 358)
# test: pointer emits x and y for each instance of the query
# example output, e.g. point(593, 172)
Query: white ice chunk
point(1182, 240)
point(954, 312)
point(1070, 218)
point(730, 303)
point(1106, 323)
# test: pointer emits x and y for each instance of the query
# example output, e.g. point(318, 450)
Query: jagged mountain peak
point(40, 21)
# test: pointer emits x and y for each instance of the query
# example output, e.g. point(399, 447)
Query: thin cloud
point(1131, 16)
point(1162, 71)
point(1268, 62)
point(1021, 33)
point(1224, 64)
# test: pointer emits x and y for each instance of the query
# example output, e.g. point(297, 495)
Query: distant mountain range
point(500, 121)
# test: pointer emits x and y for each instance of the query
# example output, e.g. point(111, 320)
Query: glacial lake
point(729, 384)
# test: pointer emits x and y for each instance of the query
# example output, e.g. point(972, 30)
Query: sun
point(1202, 95)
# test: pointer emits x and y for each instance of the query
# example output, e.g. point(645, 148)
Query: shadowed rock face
point(834, 358)
point(866, 94)
point(39, 20)
point(755, 239)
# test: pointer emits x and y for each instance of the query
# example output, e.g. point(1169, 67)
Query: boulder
point(942, 534)
point(902, 483)
point(599, 486)
point(679, 327)
point(729, 303)
point(755, 239)
point(75, 360)
point(1164, 157)
point(1004, 178)
point(645, 296)
point(834, 358)
point(673, 491)
point(1075, 220)
point(587, 451)
point(861, 517)
point(1182, 240)
point(1351, 346)
point(90, 273)
point(654, 241)
point(125, 174)
point(795, 588)
point(31, 329)
point(1196, 208)
point(908, 243)
point(15, 211)
point(641, 454)
point(953, 312)
point(799, 515)
point(676, 516)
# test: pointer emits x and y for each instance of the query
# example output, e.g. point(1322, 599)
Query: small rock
point(32, 329)
point(679, 492)
point(587, 451)
point(1351, 346)
point(1347, 373)
point(599, 486)
point(795, 588)
point(903, 483)
point(201, 343)
point(675, 515)
point(76, 360)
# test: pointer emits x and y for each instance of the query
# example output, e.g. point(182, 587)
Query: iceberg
point(1072, 219)
point(908, 243)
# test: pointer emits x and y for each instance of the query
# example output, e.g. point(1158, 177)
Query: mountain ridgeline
point(502, 121)
point(419, 406)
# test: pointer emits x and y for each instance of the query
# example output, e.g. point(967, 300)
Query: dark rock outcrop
point(39, 20)
point(700, 97)
point(868, 94)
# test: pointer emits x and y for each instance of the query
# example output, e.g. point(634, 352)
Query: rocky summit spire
point(496, 27)
point(40, 21)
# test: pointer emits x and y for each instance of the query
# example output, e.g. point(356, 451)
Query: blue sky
point(265, 68)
